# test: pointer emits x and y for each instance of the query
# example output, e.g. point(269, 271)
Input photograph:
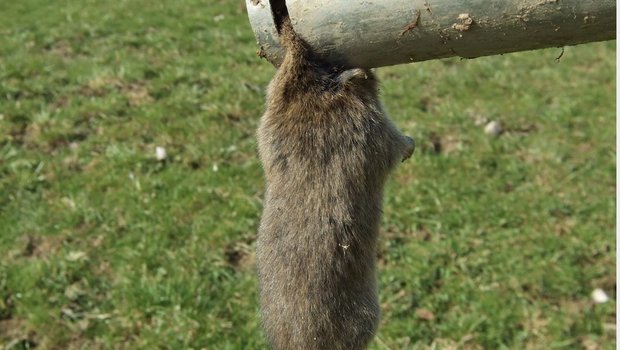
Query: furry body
point(326, 148)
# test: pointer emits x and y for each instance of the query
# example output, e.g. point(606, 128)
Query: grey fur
point(326, 148)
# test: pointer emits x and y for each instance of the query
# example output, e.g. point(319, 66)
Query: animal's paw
point(351, 74)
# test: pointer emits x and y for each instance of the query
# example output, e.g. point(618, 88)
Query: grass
point(487, 242)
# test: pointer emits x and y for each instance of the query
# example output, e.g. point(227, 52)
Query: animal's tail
point(290, 40)
point(287, 36)
point(299, 67)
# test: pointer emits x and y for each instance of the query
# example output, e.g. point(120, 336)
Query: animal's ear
point(356, 75)
point(409, 147)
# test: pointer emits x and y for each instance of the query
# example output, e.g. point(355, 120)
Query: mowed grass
point(487, 242)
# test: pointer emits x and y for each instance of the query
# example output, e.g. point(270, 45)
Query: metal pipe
point(386, 32)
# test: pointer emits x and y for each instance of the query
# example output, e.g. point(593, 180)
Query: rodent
point(326, 147)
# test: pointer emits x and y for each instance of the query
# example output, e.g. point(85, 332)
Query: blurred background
point(130, 187)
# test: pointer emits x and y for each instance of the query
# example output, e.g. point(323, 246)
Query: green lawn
point(487, 242)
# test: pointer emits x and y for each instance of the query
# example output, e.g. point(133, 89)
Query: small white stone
point(493, 128)
point(75, 256)
point(599, 296)
point(160, 153)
